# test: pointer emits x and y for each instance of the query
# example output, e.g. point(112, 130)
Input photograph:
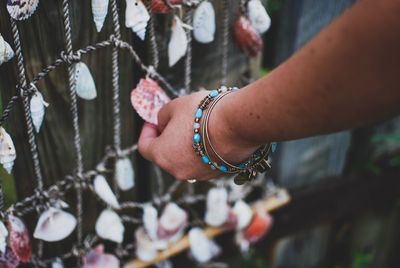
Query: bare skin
point(347, 76)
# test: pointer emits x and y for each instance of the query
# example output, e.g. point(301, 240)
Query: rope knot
point(115, 41)
point(71, 57)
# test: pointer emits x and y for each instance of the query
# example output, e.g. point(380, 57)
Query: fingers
point(147, 140)
point(164, 115)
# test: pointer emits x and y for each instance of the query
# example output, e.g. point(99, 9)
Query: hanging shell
point(204, 23)
point(19, 239)
point(136, 17)
point(146, 250)
point(21, 9)
point(54, 225)
point(99, 10)
point(202, 248)
point(124, 174)
point(109, 226)
point(7, 150)
point(37, 107)
point(85, 87)
point(6, 52)
point(243, 213)
point(159, 6)
point(96, 258)
point(8, 259)
point(147, 99)
point(172, 221)
point(258, 16)
point(103, 190)
point(3, 237)
point(57, 263)
point(217, 211)
point(247, 38)
point(259, 226)
point(150, 221)
point(178, 43)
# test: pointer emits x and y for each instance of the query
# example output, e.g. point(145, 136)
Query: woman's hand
point(169, 145)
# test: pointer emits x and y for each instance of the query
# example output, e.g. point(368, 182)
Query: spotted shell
point(7, 150)
point(99, 10)
point(204, 23)
point(6, 52)
point(21, 9)
point(258, 16)
point(37, 107)
point(159, 6)
point(8, 259)
point(178, 42)
point(136, 17)
point(247, 38)
point(84, 83)
point(96, 258)
point(147, 99)
point(19, 239)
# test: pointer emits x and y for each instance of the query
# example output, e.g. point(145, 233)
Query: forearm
point(345, 77)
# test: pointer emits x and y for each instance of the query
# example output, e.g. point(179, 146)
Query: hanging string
point(152, 36)
point(225, 41)
point(188, 58)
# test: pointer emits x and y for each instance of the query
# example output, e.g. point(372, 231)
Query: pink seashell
point(19, 239)
point(96, 258)
point(247, 38)
point(147, 99)
point(159, 6)
point(258, 227)
point(172, 221)
point(8, 259)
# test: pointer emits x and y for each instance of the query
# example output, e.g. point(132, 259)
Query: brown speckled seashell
point(19, 239)
point(159, 6)
point(247, 38)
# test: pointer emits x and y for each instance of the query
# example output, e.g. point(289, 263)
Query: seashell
point(124, 174)
point(172, 221)
point(19, 238)
point(202, 248)
point(247, 38)
point(84, 83)
point(57, 263)
point(96, 258)
point(8, 259)
point(178, 43)
point(136, 17)
point(159, 6)
point(146, 250)
point(259, 226)
point(99, 10)
point(21, 9)
point(37, 107)
point(150, 221)
point(147, 99)
point(54, 225)
point(7, 150)
point(109, 226)
point(204, 23)
point(103, 190)
point(3, 237)
point(258, 16)
point(6, 52)
point(243, 213)
point(217, 211)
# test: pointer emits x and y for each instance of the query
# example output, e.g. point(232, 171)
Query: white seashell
point(21, 9)
point(3, 237)
point(136, 17)
point(202, 248)
point(37, 107)
point(7, 150)
point(145, 248)
point(204, 23)
point(258, 16)
point(57, 263)
point(85, 87)
point(150, 221)
point(6, 52)
point(178, 43)
point(124, 174)
point(172, 221)
point(54, 225)
point(217, 211)
point(99, 10)
point(103, 190)
point(109, 226)
point(243, 213)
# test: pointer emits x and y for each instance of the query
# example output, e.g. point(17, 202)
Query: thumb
point(164, 115)
point(146, 141)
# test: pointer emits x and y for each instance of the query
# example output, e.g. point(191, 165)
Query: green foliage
point(7, 181)
point(264, 71)
point(254, 260)
point(273, 5)
point(361, 260)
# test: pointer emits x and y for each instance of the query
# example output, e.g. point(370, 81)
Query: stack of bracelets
point(246, 171)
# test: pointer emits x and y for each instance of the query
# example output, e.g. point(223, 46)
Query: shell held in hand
point(103, 190)
point(258, 16)
point(178, 42)
point(204, 23)
point(54, 225)
point(7, 150)
point(19, 239)
point(96, 258)
point(6, 52)
point(247, 38)
point(109, 226)
point(37, 107)
point(136, 17)
point(99, 10)
point(84, 83)
point(124, 174)
point(21, 9)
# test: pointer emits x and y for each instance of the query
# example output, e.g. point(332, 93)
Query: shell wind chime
point(37, 107)
point(99, 10)
point(136, 17)
point(7, 150)
point(204, 23)
point(6, 52)
point(21, 9)
point(178, 42)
